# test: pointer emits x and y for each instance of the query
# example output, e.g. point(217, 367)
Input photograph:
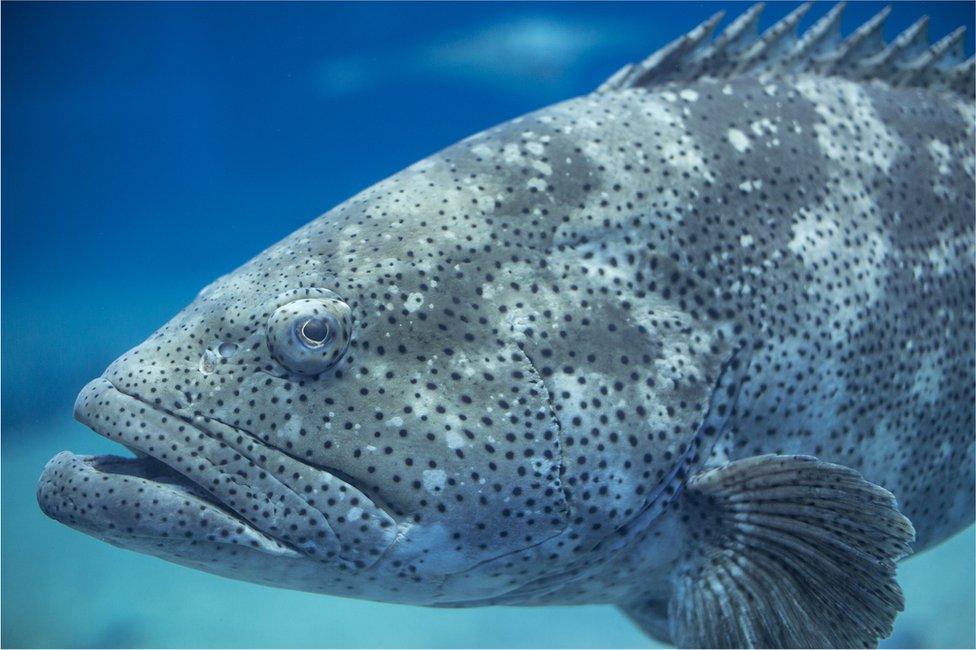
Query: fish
point(698, 344)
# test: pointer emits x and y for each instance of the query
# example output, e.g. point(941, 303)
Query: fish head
point(349, 412)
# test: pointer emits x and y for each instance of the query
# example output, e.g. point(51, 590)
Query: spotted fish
point(699, 344)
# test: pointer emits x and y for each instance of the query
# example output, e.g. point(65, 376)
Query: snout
point(88, 397)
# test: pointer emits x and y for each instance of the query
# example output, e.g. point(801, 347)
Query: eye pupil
point(315, 331)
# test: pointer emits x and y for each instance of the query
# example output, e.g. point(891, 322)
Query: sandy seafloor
point(150, 147)
point(62, 588)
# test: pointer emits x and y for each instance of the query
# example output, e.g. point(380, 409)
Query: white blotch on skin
point(940, 155)
point(482, 150)
point(848, 117)
point(763, 126)
point(434, 479)
point(511, 153)
point(928, 379)
point(677, 146)
point(738, 140)
point(414, 302)
point(542, 167)
point(454, 439)
point(818, 238)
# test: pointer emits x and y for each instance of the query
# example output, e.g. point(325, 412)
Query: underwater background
point(149, 148)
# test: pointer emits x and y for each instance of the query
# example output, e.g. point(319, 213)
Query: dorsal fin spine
point(736, 38)
point(962, 78)
point(823, 35)
point(906, 47)
point(782, 35)
point(616, 80)
point(950, 50)
point(866, 41)
point(670, 58)
point(910, 43)
point(739, 51)
point(930, 68)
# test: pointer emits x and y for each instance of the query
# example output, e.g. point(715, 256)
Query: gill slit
point(562, 490)
point(560, 451)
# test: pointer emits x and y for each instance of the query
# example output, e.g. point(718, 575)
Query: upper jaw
point(222, 485)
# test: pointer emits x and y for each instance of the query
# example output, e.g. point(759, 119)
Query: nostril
point(208, 362)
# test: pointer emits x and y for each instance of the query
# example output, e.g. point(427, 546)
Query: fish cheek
point(481, 466)
point(466, 444)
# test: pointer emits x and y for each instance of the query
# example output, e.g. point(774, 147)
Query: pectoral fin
point(787, 551)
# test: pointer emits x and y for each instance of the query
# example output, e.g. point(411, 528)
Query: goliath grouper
point(700, 344)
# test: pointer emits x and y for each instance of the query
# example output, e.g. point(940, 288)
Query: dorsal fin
point(670, 57)
point(740, 51)
point(777, 41)
point(934, 65)
point(906, 47)
point(734, 40)
point(820, 39)
point(866, 41)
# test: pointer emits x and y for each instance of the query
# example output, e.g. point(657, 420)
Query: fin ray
point(739, 50)
point(823, 37)
point(787, 551)
point(776, 42)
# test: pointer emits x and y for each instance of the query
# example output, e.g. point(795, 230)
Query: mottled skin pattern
point(555, 322)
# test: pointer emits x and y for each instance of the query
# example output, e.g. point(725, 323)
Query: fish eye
point(310, 335)
point(315, 332)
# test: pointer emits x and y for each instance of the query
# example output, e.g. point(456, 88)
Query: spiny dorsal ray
point(907, 61)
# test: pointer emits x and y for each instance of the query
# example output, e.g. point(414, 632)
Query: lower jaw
point(139, 502)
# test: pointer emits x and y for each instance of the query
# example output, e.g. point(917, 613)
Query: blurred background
point(149, 148)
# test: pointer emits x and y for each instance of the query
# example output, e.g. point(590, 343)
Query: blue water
point(148, 148)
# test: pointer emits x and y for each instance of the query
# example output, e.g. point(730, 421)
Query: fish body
point(574, 359)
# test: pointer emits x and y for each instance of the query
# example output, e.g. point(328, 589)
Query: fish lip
point(123, 417)
point(184, 486)
point(77, 490)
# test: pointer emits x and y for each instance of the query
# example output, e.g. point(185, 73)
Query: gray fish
point(700, 344)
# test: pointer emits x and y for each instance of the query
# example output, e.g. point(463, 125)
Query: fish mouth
point(107, 497)
point(198, 482)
